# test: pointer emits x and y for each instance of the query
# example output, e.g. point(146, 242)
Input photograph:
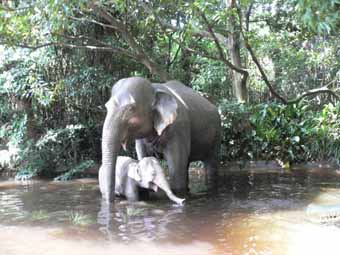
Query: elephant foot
point(212, 185)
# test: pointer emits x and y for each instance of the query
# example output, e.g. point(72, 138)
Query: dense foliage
point(287, 133)
point(272, 67)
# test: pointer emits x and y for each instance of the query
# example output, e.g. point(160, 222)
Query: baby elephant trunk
point(164, 185)
point(161, 181)
point(177, 200)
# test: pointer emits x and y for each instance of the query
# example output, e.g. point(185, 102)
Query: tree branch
point(205, 34)
point(314, 92)
point(263, 74)
point(9, 9)
point(84, 39)
point(27, 46)
point(69, 45)
point(219, 48)
point(140, 54)
point(92, 21)
point(194, 32)
point(163, 28)
point(94, 47)
point(250, 8)
point(176, 54)
point(200, 52)
point(257, 63)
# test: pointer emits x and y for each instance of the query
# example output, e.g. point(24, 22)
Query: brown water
point(254, 212)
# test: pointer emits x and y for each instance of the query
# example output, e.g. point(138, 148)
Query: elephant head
point(135, 110)
point(150, 175)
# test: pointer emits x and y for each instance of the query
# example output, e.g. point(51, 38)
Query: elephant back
point(203, 118)
point(187, 96)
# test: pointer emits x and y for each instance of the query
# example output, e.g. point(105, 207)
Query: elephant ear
point(148, 173)
point(165, 106)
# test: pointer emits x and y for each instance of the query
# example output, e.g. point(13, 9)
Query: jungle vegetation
point(272, 68)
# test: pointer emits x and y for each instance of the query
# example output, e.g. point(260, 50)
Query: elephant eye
point(153, 173)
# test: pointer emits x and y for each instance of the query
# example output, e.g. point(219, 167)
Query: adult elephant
point(169, 119)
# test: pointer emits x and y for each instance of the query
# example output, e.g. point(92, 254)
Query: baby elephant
point(131, 175)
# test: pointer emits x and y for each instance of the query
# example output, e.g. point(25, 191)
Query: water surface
point(254, 212)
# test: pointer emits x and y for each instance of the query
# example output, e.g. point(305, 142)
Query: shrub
point(57, 151)
point(281, 131)
point(326, 134)
point(288, 133)
point(236, 131)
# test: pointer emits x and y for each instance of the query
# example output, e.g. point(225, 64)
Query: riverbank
point(229, 167)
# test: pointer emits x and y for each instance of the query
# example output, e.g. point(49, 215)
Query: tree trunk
point(239, 80)
point(25, 105)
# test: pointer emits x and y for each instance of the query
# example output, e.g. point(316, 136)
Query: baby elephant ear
point(134, 173)
point(165, 106)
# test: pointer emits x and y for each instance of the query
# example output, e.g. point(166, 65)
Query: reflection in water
point(137, 221)
point(253, 213)
point(36, 240)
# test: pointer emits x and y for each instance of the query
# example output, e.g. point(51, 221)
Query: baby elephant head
point(144, 173)
point(150, 175)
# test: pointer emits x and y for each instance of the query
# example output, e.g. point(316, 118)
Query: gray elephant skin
point(168, 119)
point(133, 175)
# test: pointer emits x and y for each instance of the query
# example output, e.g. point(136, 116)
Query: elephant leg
point(141, 149)
point(131, 190)
point(211, 169)
point(188, 166)
point(176, 156)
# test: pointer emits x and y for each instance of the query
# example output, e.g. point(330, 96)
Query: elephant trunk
point(113, 133)
point(161, 182)
point(177, 200)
